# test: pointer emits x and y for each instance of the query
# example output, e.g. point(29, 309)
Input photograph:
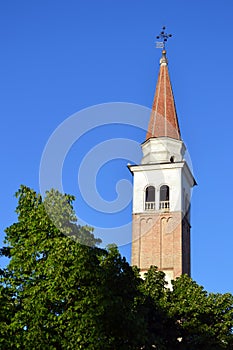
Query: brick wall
point(161, 239)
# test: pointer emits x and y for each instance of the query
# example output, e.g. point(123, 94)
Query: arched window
point(164, 203)
point(150, 198)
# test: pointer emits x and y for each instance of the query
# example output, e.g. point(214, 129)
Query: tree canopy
point(61, 291)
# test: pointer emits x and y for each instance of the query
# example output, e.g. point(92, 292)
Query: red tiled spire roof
point(163, 119)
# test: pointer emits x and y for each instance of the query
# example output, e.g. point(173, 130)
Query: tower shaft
point(162, 190)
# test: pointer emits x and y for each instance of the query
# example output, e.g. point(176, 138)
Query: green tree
point(205, 320)
point(186, 317)
point(63, 294)
point(58, 293)
point(162, 330)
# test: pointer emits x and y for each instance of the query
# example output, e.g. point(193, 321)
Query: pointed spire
point(163, 119)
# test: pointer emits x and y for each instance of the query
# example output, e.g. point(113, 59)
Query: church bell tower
point(162, 186)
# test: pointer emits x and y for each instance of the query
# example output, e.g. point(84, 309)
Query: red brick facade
point(163, 240)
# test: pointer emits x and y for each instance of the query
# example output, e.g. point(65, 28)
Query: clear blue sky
point(58, 57)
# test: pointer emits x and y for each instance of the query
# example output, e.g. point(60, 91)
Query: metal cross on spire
point(164, 36)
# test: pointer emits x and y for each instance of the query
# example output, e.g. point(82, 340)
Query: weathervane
point(164, 36)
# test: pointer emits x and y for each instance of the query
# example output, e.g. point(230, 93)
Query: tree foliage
point(60, 291)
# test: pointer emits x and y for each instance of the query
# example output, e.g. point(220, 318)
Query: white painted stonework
point(162, 149)
point(157, 169)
